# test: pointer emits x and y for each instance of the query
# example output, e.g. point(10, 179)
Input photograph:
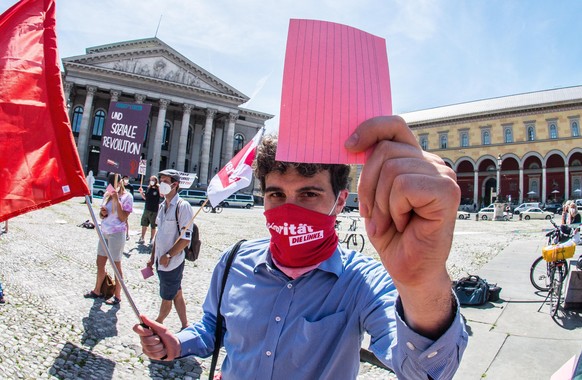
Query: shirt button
point(268, 353)
point(432, 354)
point(278, 319)
point(289, 286)
point(410, 346)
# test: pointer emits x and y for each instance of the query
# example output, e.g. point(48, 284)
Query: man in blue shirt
point(296, 305)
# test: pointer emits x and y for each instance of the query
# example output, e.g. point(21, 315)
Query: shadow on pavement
point(78, 363)
point(99, 324)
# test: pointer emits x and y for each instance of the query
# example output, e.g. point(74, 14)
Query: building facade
point(196, 123)
point(518, 148)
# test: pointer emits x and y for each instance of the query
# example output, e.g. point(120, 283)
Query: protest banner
point(187, 179)
point(123, 138)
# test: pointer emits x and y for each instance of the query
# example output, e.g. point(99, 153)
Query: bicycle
point(550, 277)
point(351, 239)
point(214, 210)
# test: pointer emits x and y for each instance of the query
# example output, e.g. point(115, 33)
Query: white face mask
point(125, 181)
point(152, 183)
point(165, 188)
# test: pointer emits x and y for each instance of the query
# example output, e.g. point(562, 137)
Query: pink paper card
point(335, 77)
point(147, 272)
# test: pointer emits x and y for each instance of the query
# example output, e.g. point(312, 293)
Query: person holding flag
point(296, 304)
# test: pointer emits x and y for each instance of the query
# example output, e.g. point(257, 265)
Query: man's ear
point(341, 201)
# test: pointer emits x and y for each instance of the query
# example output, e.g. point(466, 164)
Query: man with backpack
point(168, 254)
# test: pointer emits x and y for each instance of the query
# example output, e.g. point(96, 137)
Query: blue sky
point(440, 52)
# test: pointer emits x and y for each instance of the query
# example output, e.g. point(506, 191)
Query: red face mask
point(300, 237)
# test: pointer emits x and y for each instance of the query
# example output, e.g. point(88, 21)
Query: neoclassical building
point(196, 123)
point(523, 147)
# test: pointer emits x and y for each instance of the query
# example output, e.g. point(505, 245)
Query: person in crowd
point(2, 300)
point(115, 209)
point(573, 215)
point(565, 212)
point(152, 199)
point(90, 182)
point(128, 187)
point(168, 255)
point(297, 304)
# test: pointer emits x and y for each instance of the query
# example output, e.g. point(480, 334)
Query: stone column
point(139, 98)
point(115, 94)
point(84, 131)
point(67, 91)
point(476, 189)
point(183, 138)
point(157, 141)
point(567, 182)
point(232, 118)
point(205, 156)
point(520, 185)
point(543, 198)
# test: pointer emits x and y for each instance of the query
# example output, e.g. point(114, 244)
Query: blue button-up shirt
point(312, 327)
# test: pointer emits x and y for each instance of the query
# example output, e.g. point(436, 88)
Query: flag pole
point(110, 257)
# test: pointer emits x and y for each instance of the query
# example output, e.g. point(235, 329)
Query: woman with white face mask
point(152, 199)
point(115, 209)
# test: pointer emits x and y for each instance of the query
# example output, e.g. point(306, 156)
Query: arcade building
point(516, 148)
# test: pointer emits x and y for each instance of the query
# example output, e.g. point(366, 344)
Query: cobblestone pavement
point(47, 262)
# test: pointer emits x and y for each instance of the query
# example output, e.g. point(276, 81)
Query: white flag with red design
point(236, 174)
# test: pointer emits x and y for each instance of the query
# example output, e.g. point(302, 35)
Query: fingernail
point(352, 140)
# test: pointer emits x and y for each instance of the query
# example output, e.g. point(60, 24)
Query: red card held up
point(335, 77)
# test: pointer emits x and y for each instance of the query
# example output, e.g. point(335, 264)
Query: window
point(508, 135)
point(77, 118)
point(443, 141)
point(531, 133)
point(553, 131)
point(424, 143)
point(239, 142)
point(486, 137)
point(145, 137)
point(575, 128)
point(166, 135)
point(98, 122)
point(464, 139)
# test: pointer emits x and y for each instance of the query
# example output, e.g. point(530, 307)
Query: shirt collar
point(332, 265)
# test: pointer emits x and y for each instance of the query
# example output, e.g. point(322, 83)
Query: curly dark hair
point(265, 163)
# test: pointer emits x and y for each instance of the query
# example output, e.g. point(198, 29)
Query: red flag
point(39, 164)
point(236, 174)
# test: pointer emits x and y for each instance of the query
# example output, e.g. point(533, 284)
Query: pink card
point(147, 272)
point(335, 77)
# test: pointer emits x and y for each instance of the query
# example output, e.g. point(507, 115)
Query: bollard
point(520, 216)
point(477, 217)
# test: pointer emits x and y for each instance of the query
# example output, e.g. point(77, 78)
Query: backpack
point(474, 291)
point(192, 250)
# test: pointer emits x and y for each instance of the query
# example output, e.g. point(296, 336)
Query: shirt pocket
point(323, 332)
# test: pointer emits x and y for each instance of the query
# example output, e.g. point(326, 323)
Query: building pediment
point(153, 59)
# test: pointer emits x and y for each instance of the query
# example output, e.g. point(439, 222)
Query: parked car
point(487, 213)
point(239, 200)
point(536, 213)
point(525, 206)
point(99, 187)
point(194, 197)
point(553, 207)
point(463, 215)
point(352, 202)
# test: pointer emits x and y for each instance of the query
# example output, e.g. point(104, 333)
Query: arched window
point(443, 140)
point(531, 133)
point(575, 129)
point(166, 135)
point(189, 140)
point(553, 131)
point(486, 138)
point(424, 143)
point(239, 143)
point(98, 123)
point(508, 135)
point(464, 139)
point(77, 118)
